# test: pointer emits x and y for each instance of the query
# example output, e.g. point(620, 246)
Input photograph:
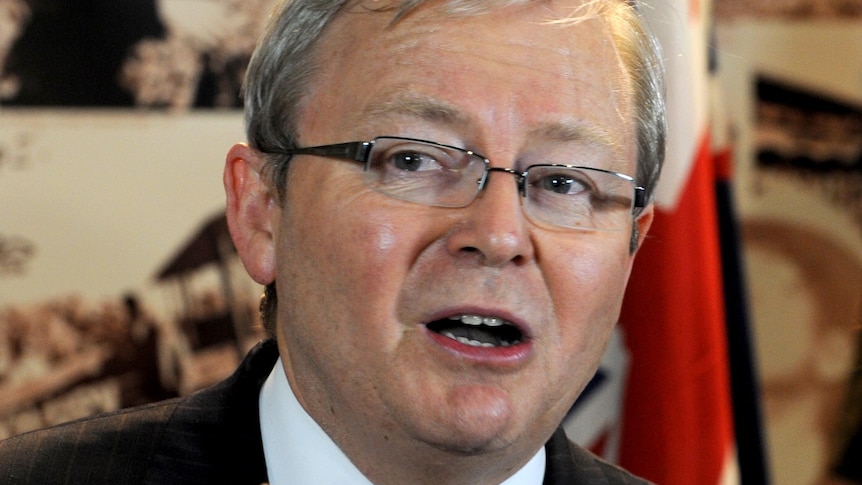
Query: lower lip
point(498, 356)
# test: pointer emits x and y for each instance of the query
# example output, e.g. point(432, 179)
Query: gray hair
point(283, 65)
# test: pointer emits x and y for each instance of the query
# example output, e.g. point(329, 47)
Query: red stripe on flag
point(723, 164)
point(600, 446)
point(677, 425)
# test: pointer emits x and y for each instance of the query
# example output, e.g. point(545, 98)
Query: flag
point(677, 426)
point(681, 362)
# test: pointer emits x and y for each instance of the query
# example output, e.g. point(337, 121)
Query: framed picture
point(118, 280)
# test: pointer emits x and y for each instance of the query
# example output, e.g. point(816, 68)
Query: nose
point(493, 227)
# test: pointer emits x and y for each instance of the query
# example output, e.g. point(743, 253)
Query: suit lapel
point(214, 435)
point(567, 464)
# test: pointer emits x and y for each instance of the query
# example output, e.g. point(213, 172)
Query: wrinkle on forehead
point(526, 52)
point(523, 51)
point(426, 24)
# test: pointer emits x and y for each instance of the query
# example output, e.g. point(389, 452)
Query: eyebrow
point(418, 106)
point(435, 110)
point(586, 135)
point(573, 131)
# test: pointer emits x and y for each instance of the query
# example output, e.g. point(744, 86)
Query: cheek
point(588, 289)
point(340, 234)
point(338, 266)
point(380, 259)
point(354, 251)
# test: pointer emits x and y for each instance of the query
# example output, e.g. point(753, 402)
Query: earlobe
point(250, 208)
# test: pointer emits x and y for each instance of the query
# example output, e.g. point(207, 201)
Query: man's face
point(362, 276)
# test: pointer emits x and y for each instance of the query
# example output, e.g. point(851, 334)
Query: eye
point(563, 183)
point(413, 161)
point(414, 156)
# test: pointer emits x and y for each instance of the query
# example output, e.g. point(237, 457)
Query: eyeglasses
point(570, 196)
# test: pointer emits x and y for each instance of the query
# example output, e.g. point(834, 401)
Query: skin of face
point(360, 274)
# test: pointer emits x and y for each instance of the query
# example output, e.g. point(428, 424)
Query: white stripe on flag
point(730, 472)
point(681, 28)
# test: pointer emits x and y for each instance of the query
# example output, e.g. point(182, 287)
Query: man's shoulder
point(212, 433)
point(613, 474)
point(616, 475)
point(569, 463)
point(108, 448)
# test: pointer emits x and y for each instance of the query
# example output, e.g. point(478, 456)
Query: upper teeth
point(477, 320)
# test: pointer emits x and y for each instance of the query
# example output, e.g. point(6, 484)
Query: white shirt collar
point(298, 451)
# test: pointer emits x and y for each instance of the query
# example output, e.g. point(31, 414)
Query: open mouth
point(478, 331)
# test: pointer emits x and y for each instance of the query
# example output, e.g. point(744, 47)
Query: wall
point(802, 233)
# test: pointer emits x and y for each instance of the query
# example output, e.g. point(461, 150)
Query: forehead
point(519, 67)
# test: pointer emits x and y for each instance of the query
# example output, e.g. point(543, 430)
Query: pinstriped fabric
point(570, 464)
point(107, 449)
point(214, 437)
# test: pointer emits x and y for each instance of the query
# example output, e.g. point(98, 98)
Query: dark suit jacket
point(210, 437)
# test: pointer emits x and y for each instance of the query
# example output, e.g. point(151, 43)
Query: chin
point(468, 446)
point(471, 436)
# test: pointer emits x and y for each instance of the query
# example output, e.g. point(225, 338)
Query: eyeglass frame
point(360, 151)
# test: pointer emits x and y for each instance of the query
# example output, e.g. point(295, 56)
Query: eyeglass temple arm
point(640, 197)
point(356, 151)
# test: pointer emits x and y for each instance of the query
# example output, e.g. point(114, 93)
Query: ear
point(250, 210)
point(641, 227)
